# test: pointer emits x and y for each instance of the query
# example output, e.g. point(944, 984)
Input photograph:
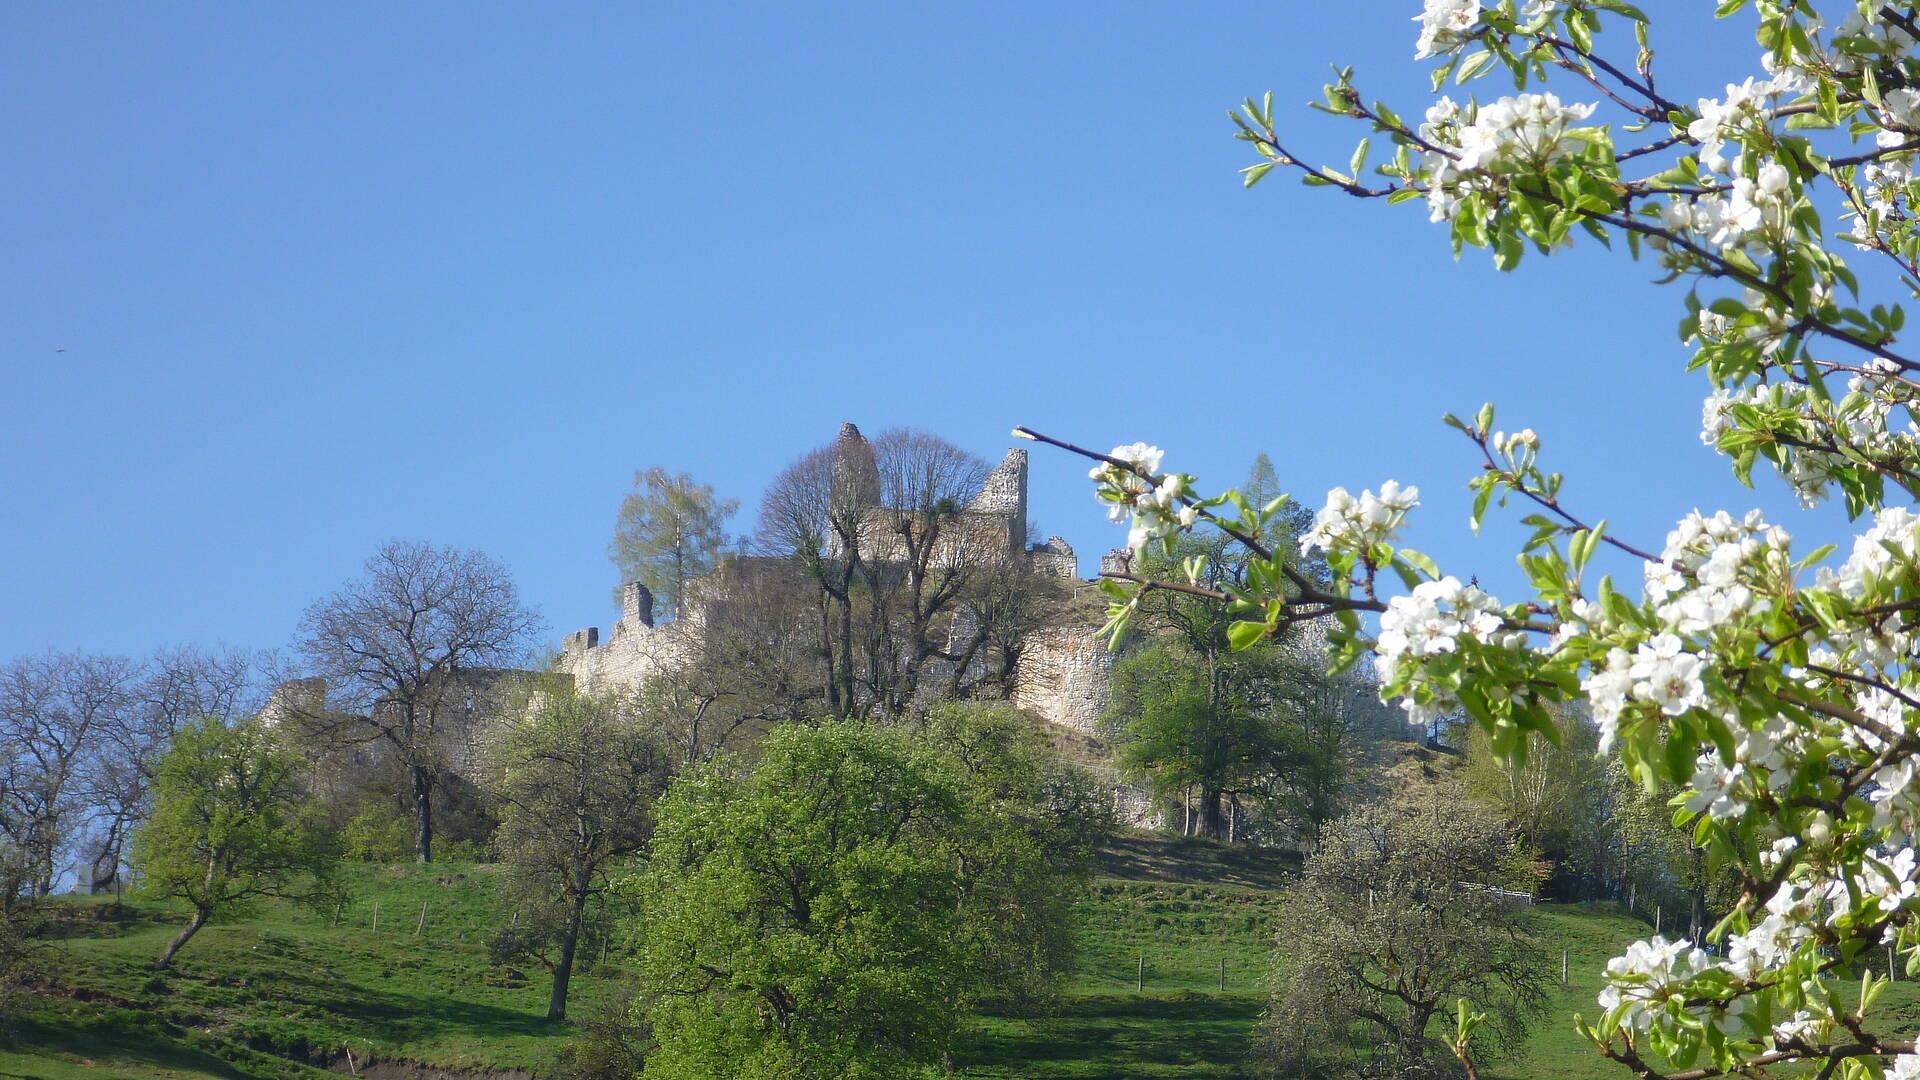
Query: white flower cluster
point(1445, 25)
point(1705, 577)
point(1859, 36)
point(1893, 541)
point(1430, 622)
point(1743, 112)
point(1651, 973)
point(1730, 217)
point(1861, 419)
point(1648, 974)
point(1659, 672)
point(1764, 758)
point(1522, 132)
point(1155, 505)
point(1355, 524)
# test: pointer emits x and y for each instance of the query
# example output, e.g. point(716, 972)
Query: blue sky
point(281, 283)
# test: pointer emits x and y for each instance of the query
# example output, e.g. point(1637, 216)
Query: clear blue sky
point(282, 282)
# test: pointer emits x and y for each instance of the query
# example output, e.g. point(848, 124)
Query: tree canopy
point(230, 824)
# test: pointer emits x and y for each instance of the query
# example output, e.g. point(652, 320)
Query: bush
point(378, 834)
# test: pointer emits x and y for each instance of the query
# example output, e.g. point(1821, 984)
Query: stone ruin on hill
point(1062, 672)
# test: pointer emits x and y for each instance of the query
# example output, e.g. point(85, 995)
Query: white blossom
point(1445, 25)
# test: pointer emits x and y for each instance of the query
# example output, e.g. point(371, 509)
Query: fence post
point(1140, 974)
point(1563, 967)
point(338, 904)
point(1656, 918)
point(422, 924)
point(1891, 976)
point(376, 916)
point(1223, 973)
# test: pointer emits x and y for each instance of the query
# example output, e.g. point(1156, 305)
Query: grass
point(288, 992)
point(285, 993)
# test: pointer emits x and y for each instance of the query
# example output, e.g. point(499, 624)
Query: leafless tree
point(54, 709)
point(745, 661)
point(176, 687)
point(813, 513)
point(885, 532)
point(403, 649)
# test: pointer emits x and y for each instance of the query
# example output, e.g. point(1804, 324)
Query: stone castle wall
point(1061, 676)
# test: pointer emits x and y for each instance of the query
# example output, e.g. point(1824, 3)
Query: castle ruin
point(1061, 675)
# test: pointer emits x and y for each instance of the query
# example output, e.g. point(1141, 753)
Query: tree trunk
point(193, 927)
point(422, 812)
point(1212, 824)
point(1697, 921)
point(563, 970)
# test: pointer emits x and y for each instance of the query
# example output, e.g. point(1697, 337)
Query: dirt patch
point(411, 1070)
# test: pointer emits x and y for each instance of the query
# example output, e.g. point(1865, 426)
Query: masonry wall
point(1063, 677)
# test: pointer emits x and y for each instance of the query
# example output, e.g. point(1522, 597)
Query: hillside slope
point(1176, 950)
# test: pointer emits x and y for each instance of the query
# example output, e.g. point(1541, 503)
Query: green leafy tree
point(1024, 845)
point(1557, 800)
point(1180, 730)
point(1194, 713)
point(231, 824)
point(831, 911)
point(576, 780)
point(1396, 919)
point(670, 530)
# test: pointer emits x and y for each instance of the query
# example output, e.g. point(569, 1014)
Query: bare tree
point(746, 659)
point(814, 513)
point(177, 687)
point(887, 532)
point(402, 650)
point(53, 710)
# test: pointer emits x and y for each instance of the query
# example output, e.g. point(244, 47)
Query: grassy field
point(288, 991)
point(288, 994)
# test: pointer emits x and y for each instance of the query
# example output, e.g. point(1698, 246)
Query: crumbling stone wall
point(636, 650)
point(1062, 673)
point(1063, 677)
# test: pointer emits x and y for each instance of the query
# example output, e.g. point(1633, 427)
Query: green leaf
point(1423, 563)
point(1243, 635)
point(1620, 7)
point(1253, 173)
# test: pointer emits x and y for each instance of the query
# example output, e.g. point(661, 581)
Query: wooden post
point(1891, 976)
point(336, 911)
point(1563, 967)
point(1633, 894)
point(1656, 918)
point(1223, 973)
point(1140, 975)
point(422, 924)
point(376, 916)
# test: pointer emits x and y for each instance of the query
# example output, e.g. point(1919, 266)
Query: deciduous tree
point(399, 649)
point(670, 530)
point(576, 779)
point(830, 911)
point(1772, 688)
point(1396, 920)
point(230, 824)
